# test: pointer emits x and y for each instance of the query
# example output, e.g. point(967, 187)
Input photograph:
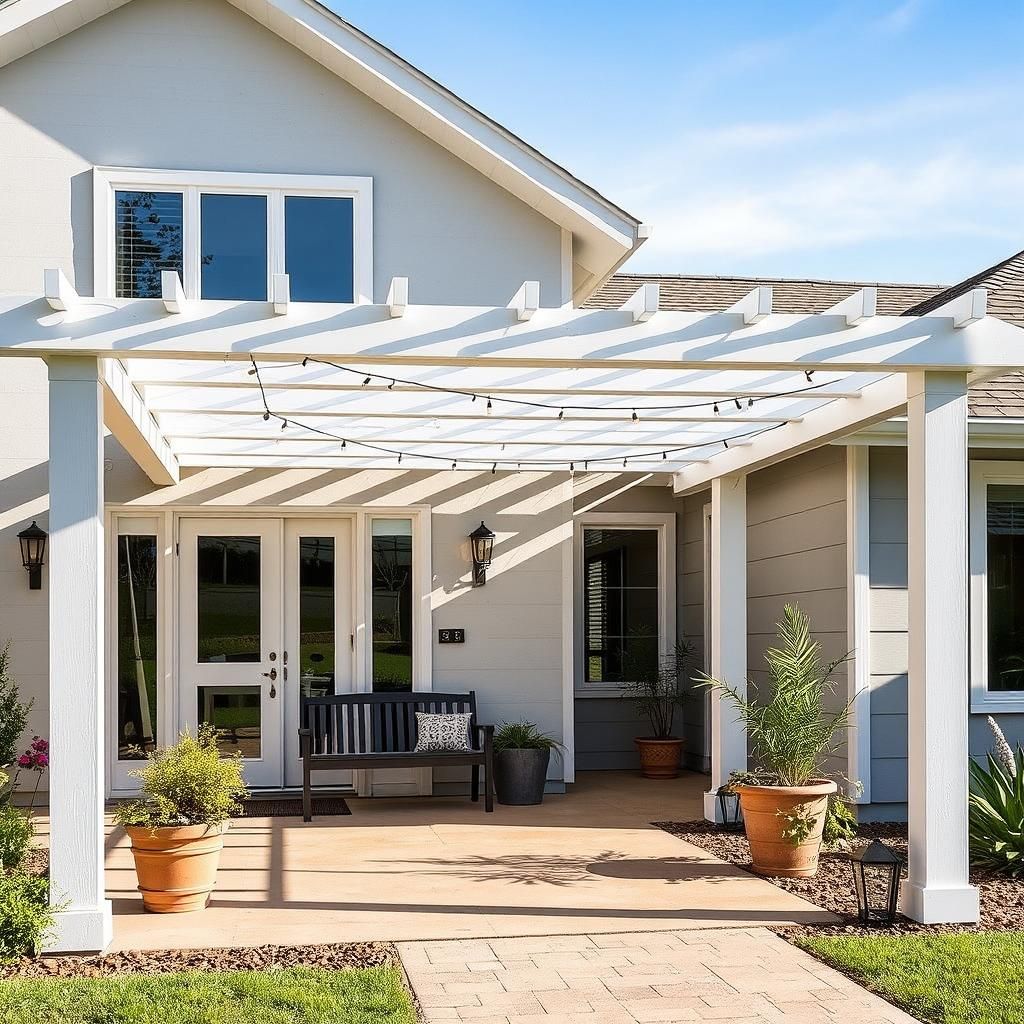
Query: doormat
point(291, 807)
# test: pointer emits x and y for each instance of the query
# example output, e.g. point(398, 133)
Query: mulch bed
point(347, 956)
point(1002, 899)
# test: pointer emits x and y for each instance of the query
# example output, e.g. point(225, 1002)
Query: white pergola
point(705, 398)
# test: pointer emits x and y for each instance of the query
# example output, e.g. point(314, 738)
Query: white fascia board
point(130, 421)
point(30, 24)
point(982, 432)
point(845, 415)
point(479, 336)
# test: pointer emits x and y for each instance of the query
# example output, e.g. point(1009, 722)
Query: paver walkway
point(748, 976)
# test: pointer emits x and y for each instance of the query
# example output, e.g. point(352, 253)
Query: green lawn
point(299, 996)
point(945, 979)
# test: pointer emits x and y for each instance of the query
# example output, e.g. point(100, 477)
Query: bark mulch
point(1002, 898)
point(347, 956)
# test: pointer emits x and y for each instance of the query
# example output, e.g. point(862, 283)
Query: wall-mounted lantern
point(33, 550)
point(877, 871)
point(482, 543)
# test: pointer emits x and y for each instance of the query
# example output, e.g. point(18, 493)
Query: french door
point(265, 610)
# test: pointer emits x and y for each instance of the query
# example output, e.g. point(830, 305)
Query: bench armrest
point(485, 734)
point(305, 742)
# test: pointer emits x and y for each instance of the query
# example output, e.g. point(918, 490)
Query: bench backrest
point(376, 723)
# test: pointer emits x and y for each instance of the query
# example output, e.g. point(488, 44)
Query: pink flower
point(25, 761)
point(42, 761)
point(40, 746)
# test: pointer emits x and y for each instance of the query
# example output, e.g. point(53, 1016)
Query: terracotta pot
point(659, 759)
point(766, 815)
point(176, 867)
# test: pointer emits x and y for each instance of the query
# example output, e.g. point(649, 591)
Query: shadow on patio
point(439, 868)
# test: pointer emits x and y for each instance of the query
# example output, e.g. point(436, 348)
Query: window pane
point(318, 248)
point(1005, 588)
point(136, 647)
point(229, 599)
point(620, 603)
point(234, 711)
point(234, 246)
point(316, 615)
point(147, 240)
point(392, 604)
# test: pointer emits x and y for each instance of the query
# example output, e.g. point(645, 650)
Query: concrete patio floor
point(440, 868)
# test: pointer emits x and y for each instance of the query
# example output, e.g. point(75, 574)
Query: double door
point(265, 616)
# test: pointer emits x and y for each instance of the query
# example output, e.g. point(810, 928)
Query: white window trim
point(107, 180)
point(982, 476)
point(665, 525)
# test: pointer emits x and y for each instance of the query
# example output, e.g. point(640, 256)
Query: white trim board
point(858, 620)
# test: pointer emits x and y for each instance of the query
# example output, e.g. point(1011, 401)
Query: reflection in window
point(233, 232)
point(392, 604)
point(136, 646)
point(1005, 588)
point(234, 711)
point(316, 615)
point(318, 248)
point(621, 603)
point(228, 612)
point(147, 241)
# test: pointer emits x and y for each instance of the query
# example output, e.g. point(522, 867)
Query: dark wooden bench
point(378, 730)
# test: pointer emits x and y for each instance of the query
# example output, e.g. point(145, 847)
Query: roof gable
point(603, 234)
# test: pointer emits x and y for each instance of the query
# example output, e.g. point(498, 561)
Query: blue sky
point(871, 140)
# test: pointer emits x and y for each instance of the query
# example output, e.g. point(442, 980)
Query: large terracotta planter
point(176, 867)
point(767, 813)
point(659, 759)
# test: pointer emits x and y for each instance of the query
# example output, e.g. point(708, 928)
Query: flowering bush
point(13, 710)
point(36, 759)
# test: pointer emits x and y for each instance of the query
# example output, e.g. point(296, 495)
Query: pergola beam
point(475, 336)
point(127, 417)
point(60, 293)
point(879, 401)
point(965, 309)
point(526, 301)
point(282, 294)
point(643, 303)
point(857, 307)
point(398, 296)
point(172, 292)
point(754, 306)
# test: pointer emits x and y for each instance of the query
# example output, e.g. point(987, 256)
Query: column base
point(82, 931)
point(940, 905)
point(712, 808)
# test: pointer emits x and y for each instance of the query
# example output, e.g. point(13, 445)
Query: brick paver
point(741, 976)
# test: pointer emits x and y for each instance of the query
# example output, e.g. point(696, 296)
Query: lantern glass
point(482, 540)
point(877, 873)
point(33, 546)
point(729, 810)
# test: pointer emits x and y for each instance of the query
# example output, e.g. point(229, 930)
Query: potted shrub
point(655, 692)
point(177, 828)
point(521, 756)
point(792, 732)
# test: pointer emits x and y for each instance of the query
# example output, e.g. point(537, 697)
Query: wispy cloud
point(901, 17)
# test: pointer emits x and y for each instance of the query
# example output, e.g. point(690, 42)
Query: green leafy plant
point(840, 823)
point(654, 687)
point(26, 917)
point(996, 809)
point(189, 783)
point(14, 711)
point(15, 837)
point(792, 730)
point(524, 736)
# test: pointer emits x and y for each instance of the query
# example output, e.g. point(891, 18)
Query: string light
point(367, 381)
point(809, 374)
point(635, 417)
point(739, 404)
point(715, 409)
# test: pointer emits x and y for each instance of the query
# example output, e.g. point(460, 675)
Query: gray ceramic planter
point(519, 775)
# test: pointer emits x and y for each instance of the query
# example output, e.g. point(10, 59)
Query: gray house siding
point(888, 619)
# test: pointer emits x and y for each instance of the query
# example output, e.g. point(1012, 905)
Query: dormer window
point(228, 235)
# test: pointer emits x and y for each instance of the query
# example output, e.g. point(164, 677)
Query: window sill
point(995, 706)
point(599, 691)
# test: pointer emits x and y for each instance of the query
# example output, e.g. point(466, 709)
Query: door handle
point(271, 675)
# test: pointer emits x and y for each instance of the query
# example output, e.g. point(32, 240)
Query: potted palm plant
point(792, 732)
point(655, 692)
point(521, 756)
point(189, 791)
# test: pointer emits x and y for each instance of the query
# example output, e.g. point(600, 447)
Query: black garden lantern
point(33, 549)
point(877, 872)
point(482, 543)
point(729, 812)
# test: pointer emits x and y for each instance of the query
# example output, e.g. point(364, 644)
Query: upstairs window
point(227, 235)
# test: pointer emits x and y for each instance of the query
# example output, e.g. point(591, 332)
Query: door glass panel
point(392, 604)
point(136, 647)
point(316, 615)
point(234, 711)
point(228, 595)
point(318, 248)
point(233, 232)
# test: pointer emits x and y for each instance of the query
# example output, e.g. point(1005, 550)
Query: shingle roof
point(700, 292)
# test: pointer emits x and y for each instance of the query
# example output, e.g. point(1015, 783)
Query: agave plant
point(997, 812)
point(792, 730)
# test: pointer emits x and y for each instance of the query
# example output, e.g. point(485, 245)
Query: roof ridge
point(780, 280)
point(953, 290)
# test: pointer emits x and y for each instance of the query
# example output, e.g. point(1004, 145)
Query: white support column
point(937, 888)
point(76, 583)
point(728, 629)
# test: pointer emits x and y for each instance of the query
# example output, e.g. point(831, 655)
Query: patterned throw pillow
point(442, 732)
